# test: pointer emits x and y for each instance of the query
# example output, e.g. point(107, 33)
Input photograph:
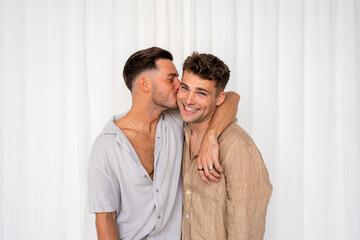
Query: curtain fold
point(295, 64)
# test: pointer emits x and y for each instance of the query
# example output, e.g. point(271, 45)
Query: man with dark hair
point(235, 207)
point(141, 61)
point(134, 171)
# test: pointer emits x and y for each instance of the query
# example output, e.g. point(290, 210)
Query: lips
point(188, 109)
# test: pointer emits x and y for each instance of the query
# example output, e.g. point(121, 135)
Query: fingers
point(207, 171)
point(210, 175)
point(213, 159)
point(215, 174)
point(217, 165)
point(201, 172)
point(208, 159)
point(202, 175)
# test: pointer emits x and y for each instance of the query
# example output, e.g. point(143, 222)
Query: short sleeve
point(100, 187)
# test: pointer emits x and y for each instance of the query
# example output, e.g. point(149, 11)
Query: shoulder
point(239, 154)
point(100, 147)
point(234, 135)
point(236, 145)
point(107, 139)
point(104, 141)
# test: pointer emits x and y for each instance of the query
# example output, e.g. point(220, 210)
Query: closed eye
point(184, 88)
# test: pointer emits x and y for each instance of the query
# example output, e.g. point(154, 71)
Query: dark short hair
point(209, 67)
point(141, 61)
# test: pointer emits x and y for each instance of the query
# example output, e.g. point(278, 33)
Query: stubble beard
point(163, 99)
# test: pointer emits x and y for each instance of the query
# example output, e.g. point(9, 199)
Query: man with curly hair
point(235, 207)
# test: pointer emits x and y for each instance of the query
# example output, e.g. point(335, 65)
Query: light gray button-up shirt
point(118, 181)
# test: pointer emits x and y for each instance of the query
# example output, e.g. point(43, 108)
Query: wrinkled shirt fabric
point(118, 181)
point(235, 207)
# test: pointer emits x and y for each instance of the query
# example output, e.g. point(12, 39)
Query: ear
point(144, 84)
point(220, 98)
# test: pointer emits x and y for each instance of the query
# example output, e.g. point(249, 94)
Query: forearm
point(209, 152)
point(106, 226)
point(224, 114)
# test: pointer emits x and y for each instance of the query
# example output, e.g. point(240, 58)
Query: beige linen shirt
point(235, 207)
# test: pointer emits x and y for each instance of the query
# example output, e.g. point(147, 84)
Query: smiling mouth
point(189, 109)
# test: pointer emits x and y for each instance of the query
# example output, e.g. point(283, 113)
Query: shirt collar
point(112, 128)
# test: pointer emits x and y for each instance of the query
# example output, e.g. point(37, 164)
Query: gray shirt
point(118, 181)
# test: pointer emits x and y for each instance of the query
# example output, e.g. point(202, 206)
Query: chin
point(186, 118)
point(172, 107)
point(176, 106)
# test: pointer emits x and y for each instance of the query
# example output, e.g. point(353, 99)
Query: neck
point(198, 129)
point(144, 115)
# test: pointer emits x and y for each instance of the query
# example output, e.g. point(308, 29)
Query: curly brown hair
point(208, 67)
point(141, 61)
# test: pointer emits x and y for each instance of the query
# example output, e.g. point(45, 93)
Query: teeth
point(189, 109)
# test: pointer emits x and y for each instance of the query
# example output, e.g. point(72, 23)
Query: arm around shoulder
point(209, 152)
point(225, 114)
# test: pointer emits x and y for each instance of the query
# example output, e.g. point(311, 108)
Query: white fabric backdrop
point(295, 64)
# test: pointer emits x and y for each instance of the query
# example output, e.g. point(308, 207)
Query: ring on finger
point(211, 168)
point(200, 169)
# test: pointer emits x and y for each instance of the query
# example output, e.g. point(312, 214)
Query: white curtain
point(295, 63)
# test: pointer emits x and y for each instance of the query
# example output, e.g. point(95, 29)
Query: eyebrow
point(173, 75)
point(198, 89)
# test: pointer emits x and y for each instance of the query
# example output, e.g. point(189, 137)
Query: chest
point(144, 146)
point(128, 164)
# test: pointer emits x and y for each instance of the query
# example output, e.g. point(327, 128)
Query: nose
point(190, 99)
point(177, 83)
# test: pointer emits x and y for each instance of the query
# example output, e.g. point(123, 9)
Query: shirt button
point(187, 216)
point(159, 217)
point(188, 192)
point(144, 176)
point(157, 190)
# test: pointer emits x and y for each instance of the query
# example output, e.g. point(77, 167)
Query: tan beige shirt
point(235, 207)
